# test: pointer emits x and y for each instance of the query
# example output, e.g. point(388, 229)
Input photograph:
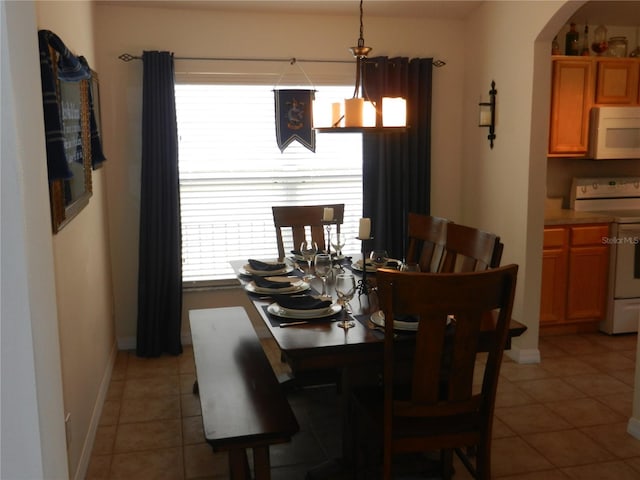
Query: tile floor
point(565, 418)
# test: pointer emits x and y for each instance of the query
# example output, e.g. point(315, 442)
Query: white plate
point(275, 309)
point(297, 287)
point(247, 270)
point(377, 318)
point(371, 268)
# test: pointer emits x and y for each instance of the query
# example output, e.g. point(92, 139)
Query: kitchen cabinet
point(578, 83)
point(617, 81)
point(571, 100)
point(575, 270)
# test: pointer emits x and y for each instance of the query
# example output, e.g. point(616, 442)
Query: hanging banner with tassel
point(293, 118)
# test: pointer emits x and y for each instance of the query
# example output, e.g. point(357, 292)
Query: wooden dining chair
point(426, 241)
point(300, 218)
point(468, 249)
point(440, 407)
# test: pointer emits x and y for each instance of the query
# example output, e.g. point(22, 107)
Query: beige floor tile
point(509, 395)
point(136, 437)
point(615, 439)
point(583, 412)
point(608, 361)
point(602, 471)
point(598, 384)
point(549, 349)
point(626, 342)
point(116, 387)
point(164, 464)
point(549, 390)
point(541, 475)
point(566, 366)
point(620, 402)
point(110, 412)
point(151, 387)
point(201, 461)
point(146, 409)
point(515, 372)
point(577, 344)
point(531, 418)
point(98, 468)
point(627, 376)
point(500, 429)
point(190, 405)
point(105, 439)
point(510, 456)
point(186, 382)
point(148, 367)
point(634, 463)
point(192, 430)
point(567, 448)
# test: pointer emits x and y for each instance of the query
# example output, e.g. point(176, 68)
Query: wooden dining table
point(320, 344)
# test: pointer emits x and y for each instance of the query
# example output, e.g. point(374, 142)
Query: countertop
point(571, 217)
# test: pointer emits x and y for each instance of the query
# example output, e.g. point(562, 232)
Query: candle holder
point(363, 284)
point(327, 225)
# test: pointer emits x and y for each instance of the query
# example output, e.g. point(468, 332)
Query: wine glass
point(337, 242)
point(379, 258)
point(345, 289)
point(323, 265)
point(308, 250)
point(410, 267)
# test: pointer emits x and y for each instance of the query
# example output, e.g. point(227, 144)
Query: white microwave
point(614, 132)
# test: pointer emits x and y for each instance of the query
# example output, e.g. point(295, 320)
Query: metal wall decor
point(488, 114)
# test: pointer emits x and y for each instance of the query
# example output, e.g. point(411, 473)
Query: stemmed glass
point(410, 267)
point(322, 264)
point(337, 242)
point(345, 289)
point(379, 258)
point(308, 250)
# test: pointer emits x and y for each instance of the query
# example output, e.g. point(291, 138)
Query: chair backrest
point(427, 236)
point(298, 218)
point(439, 245)
point(468, 249)
point(452, 308)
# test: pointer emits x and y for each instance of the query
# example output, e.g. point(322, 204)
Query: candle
point(327, 214)
point(353, 112)
point(485, 118)
point(365, 228)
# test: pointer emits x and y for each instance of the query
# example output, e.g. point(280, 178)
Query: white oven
point(618, 198)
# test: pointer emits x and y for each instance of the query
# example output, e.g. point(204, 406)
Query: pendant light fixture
point(359, 113)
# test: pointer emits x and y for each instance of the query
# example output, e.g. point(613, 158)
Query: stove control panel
point(605, 188)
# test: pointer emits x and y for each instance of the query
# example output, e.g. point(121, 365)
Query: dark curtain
point(160, 264)
point(397, 166)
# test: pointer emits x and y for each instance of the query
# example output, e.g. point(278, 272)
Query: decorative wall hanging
point(294, 113)
point(70, 128)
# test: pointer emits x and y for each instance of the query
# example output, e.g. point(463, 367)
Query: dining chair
point(299, 218)
point(447, 402)
point(426, 241)
point(468, 249)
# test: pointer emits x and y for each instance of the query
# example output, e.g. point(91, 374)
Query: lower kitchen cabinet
point(575, 270)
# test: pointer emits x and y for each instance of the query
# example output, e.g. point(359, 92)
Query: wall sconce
point(488, 113)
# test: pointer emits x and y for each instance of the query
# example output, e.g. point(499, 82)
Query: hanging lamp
point(359, 113)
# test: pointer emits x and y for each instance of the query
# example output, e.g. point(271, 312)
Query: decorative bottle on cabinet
point(585, 42)
point(571, 41)
point(555, 46)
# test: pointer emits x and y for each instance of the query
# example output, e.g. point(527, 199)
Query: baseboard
point(523, 355)
point(633, 427)
point(87, 448)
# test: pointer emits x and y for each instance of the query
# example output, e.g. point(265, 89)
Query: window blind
point(232, 172)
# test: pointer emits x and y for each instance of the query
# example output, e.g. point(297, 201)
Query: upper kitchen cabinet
point(571, 99)
point(617, 81)
point(579, 83)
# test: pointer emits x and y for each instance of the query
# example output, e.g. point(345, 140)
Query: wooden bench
point(243, 405)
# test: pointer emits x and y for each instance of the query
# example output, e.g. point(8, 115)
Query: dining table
point(315, 344)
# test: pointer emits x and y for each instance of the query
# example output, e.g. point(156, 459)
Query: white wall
point(208, 33)
point(33, 437)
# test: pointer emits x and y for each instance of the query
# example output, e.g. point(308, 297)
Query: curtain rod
point(127, 57)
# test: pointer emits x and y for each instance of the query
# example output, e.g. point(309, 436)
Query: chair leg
point(483, 462)
point(446, 460)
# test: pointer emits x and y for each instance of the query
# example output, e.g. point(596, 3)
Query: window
point(232, 172)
